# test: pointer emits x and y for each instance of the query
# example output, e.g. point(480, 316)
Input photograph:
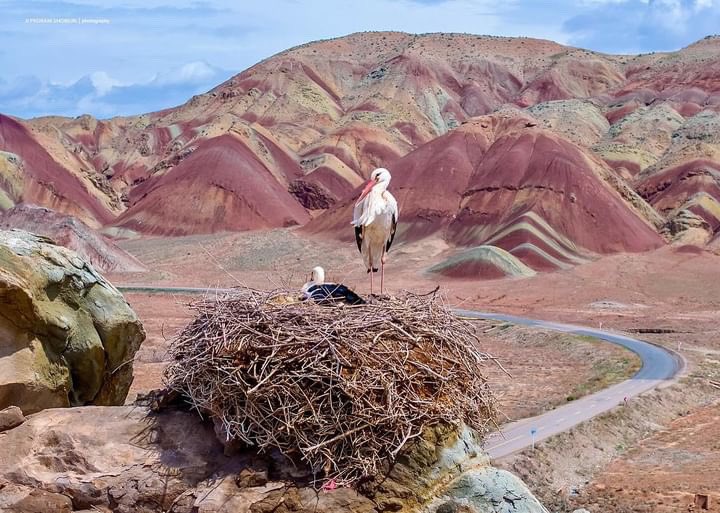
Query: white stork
point(318, 290)
point(375, 220)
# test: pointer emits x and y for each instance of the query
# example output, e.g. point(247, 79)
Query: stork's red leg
point(382, 272)
point(382, 275)
point(371, 270)
point(371, 281)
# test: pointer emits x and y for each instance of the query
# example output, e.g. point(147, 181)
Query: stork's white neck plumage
point(317, 277)
point(381, 187)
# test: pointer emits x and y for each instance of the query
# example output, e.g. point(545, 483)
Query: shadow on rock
point(129, 459)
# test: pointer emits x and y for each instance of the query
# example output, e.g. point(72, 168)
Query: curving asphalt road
point(659, 366)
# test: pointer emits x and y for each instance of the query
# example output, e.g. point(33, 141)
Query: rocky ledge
point(128, 459)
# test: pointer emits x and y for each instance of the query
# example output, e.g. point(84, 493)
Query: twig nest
point(340, 389)
point(285, 299)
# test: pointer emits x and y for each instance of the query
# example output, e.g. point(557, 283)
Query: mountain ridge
point(317, 118)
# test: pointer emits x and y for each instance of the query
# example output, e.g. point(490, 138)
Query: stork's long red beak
point(366, 190)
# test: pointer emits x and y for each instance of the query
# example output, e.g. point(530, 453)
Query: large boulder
point(67, 336)
point(128, 459)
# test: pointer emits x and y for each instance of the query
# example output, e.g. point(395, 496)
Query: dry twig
point(342, 388)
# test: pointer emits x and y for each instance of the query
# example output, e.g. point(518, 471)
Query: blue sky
point(119, 57)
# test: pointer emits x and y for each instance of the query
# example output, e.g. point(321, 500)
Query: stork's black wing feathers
point(359, 237)
point(392, 234)
point(329, 293)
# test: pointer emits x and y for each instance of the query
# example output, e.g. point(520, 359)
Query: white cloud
point(704, 4)
point(192, 72)
point(102, 95)
point(103, 83)
point(634, 26)
point(595, 3)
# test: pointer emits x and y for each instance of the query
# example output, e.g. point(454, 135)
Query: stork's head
point(381, 175)
point(317, 275)
point(379, 178)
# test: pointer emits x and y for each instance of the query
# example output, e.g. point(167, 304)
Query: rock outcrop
point(67, 336)
point(11, 417)
point(447, 470)
point(127, 459)
point(686, 227)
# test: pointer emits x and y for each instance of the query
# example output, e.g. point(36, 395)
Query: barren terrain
point(668, 290)
point(682, 459)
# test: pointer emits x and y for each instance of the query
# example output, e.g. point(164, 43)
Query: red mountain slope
point(72, 233)
point(499, 180)
point(221, 186)
point(43, 180)
point(299, 131)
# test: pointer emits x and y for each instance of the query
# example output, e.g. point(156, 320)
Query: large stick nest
point(341, 388)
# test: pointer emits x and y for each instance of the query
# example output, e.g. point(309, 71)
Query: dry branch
point(340, 388)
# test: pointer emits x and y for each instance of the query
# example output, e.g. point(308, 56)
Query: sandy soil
point(549, 369)
point(600, 465)
point(682, 460)
point(162, 317)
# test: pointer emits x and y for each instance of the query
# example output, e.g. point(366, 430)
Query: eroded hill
point(552, 153)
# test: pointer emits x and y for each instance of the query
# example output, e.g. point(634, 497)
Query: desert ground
point(659, 456)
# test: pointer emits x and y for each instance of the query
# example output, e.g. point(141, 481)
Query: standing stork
point(375, 220)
